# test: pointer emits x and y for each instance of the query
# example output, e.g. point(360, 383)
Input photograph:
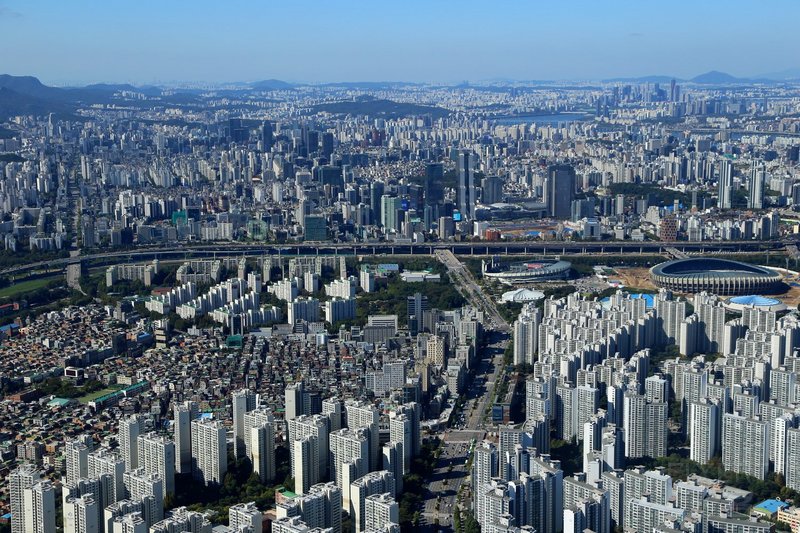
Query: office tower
point(259, 434)
point(39, 508)
point(644, 426)
point(267, 135)
point(209, 451)
point(327, 144)
point(308, 438)
point(245, 515)
point(322, 506)
point(560, 190)
point(466, 184)
point(365, 415)
point(130, 523)
point(436, 350)
point(183, 415)
point(492, 190)
point(725, 184)
point(416, 306)
point(157, 456)
point(81, 515)
point(315, 228)
point(109, 468)
point(293, 400)
point(373, 483)
point(76, 454)
point(349, 447)
point(24, 477)
point(744, 445)
point(129, 429)
point(526, 335)
point(389, 209)
point(148, 489)
point(376, 189)
point(434, 191)
point(381, 510)
point(703, 429)
point(755, 186)
point(243, 402)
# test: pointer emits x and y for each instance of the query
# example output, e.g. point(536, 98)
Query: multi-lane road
point(181, 250)
point(450, 476)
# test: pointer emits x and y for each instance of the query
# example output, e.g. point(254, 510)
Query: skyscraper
point(157, 456)
point(492, 190)
point(560, 191)
point(416, 305)
point(744, 445)
point(725, 184)
point(362, 414)
point(308, 435)
point(129, 429)
point(434, 191)
point(24, 477)
point(466, 184)
point(349, 446)
point(209, 451)
point(703, 428)
point(39, 502)
point(755, 186)
point(243, 402)
point(259, 435)
point(81, 515)
point(76, 453)
point(183, 415)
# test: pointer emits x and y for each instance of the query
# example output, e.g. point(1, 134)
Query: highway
point(544, 248)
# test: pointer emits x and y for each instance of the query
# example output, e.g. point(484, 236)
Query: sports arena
point(717, 276)
point(529, 271)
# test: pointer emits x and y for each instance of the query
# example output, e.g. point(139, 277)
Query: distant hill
point(379, 107)
point(717, 77)
point(271, 85)
point(31, 87)
point(14, 103)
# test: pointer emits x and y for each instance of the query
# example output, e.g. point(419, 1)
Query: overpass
point(544, 248)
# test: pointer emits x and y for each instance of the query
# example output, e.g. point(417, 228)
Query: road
point(544, 248)
point(450, 476)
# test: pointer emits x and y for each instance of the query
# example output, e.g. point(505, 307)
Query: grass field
point(94, 395)
point(22, 287)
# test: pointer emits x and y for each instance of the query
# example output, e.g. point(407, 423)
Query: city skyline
point(413, 42)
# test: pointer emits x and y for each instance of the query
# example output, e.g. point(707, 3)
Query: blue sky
point(146, 41)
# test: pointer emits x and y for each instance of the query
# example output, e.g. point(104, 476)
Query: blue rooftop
point(772, 506)
point(758, 301)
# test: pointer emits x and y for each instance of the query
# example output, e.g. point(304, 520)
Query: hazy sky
point(145, 41)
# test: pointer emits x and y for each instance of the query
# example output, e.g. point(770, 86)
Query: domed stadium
point(529, 271)
point(718, 276)
point(738, 303)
